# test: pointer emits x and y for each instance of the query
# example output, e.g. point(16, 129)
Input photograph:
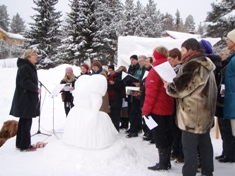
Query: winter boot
point(164, 159)
point(168, 155)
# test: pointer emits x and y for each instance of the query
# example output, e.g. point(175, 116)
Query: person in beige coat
point(195, 91)
point(97, 69)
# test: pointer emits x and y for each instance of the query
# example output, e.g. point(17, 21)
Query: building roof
point(181, 35)
point(12, 35)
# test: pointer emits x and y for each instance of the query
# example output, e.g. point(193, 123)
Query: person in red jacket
point(160, 107)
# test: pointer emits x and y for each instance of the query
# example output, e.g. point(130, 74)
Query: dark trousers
point(23, 137)
point(162, 133)
point(114, 114)
point(135, 116)
point(67, 107)
point(227, 138)
point(190, 143)
point(177, 147)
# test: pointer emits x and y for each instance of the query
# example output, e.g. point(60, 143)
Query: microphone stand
point(39, 132)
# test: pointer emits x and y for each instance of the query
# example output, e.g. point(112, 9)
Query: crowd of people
point(184, 109)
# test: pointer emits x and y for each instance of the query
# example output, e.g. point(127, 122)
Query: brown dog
point(9, 129)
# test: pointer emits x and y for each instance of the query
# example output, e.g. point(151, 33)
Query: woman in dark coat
point(69, 81)
point(25, 104)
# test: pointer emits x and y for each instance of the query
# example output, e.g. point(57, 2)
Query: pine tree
point(202, 29)
point(87, 29)
point(167, 22)
point(108, 18)
point(130, 20)
point(177, 20)
point(44, 32)
point(17, 24)
point(72, 29)
point(220, 20)
point(189, 24)
point(4, 18)
point(152, 23)
point(141, 16)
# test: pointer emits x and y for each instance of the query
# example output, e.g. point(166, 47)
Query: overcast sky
point(198, 9)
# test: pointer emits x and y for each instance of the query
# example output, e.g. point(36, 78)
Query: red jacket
point(156, 100)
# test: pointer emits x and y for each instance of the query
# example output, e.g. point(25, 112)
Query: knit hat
point(111, 66)
point(207, 46)
point(231, 35)
point(134, 57)
point(69, 70)
point(85, 66)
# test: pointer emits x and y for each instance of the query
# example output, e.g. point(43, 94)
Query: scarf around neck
point(189, 54)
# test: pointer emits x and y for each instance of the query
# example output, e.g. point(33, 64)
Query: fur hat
point(231, 35)
point(206, 46)
point(69, 70)
point(134, 57)
point(111, 66)
point(85, 66)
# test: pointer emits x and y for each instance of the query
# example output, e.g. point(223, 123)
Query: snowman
point(86, 126)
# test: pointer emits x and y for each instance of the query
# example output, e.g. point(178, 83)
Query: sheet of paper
point(165, 71)
point(145, 74)
point(57, 89)
point(150, 122)
point(124, 75)
point(132, 88)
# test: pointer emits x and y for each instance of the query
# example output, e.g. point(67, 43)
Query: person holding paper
point(174, 59)
point(135, 111)
point(195, 91)
point(133, 67)
point(160, 107)
point(67, 97)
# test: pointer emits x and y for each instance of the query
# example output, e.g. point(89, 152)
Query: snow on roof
point(129, 45)
point(12, 35)
point(182, 35)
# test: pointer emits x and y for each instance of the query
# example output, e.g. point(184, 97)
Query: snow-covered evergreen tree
point(72, 29)
point(141, 15)
point(221, 19)
point(130, 20)
point(167, 22)
point(152, 23)
point(4, 18)
point(189, 24)
point(177, 20)
point(17, 24)
point(44, 32)
point(85, 29)
point(202, 29)
point(108, 18)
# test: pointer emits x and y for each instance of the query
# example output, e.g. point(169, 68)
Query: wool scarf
point(189, 54)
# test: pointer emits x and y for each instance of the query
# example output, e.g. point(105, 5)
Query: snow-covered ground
point(127, 157)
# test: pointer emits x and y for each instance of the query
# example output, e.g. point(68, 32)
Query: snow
point(126, 157)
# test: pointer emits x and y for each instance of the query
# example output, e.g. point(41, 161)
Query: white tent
point(130, 45)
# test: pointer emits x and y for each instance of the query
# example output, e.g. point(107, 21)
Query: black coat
point(25, 102)
point(119, 90)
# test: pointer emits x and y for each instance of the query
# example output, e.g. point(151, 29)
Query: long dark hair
point(192, 44)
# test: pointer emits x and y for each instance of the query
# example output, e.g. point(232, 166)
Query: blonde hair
point(28, 53)
point(121, 68)
point(162, 50)
point(67, 80)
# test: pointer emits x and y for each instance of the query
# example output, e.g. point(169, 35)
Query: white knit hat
point(231, 35)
